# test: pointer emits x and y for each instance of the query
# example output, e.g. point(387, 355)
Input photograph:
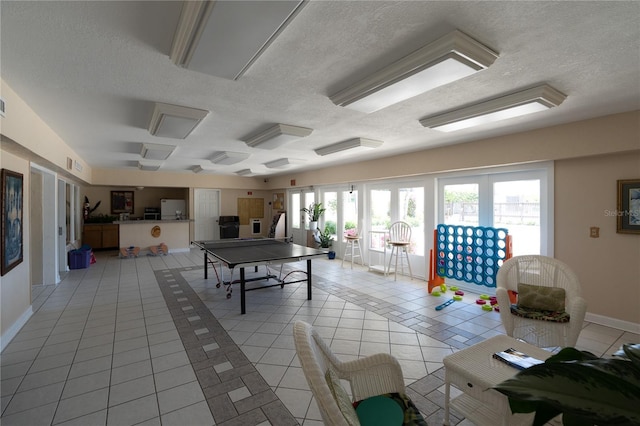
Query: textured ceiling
point(92, 70)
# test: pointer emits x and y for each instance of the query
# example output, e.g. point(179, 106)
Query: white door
point(207, 212)
point(62, 226)
point(298, 220)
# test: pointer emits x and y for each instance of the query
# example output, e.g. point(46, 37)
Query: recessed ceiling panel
point(236, 33)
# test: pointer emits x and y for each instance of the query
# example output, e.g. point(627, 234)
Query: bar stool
point(353, 246)
point(399, 240)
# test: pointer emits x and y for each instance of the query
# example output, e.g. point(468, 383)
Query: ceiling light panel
point(276, 136)
point(517, 104)
point(224, 38)
point(450, 58)
point(244, 172)
point(148, 166)
point(200, 169)
point(228, 157)
point(349, 144)
point(282, 163)
point(174, 121)
point(154, 151)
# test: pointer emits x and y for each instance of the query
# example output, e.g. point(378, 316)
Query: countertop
point(144, 222)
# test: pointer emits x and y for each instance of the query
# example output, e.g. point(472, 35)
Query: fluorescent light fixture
point(147, 166)
point(224, 38)
point(228, 157)
point(349, 144)
point(276, 136)
point(154, 151)
point(198, 169)
point(174, 121)
point(282, 163)
point(450, 58)
point(245, 172)
point(516, 104)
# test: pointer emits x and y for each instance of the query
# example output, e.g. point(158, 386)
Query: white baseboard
point(629, 326)
point(8, 336)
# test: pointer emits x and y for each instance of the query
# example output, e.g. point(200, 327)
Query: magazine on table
point(516, 359)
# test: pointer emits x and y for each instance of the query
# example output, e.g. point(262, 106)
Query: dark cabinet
point(101, 236)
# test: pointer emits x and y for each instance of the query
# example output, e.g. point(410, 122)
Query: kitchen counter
point(148, 233)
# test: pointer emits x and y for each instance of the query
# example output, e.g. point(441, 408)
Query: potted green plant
point(326, 241)
point(314, 211)
point(585, 389)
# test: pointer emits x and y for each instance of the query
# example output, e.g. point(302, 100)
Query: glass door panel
point(461, 204)
point(516, 206)
point(411, 203)
point(380, 209)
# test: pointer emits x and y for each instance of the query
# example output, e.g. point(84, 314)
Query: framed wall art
point(12, 202)
point(121, 202)
point(628, 208)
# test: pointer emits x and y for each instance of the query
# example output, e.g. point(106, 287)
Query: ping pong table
point(245, 253)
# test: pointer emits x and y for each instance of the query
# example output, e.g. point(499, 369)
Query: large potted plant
point(585, 389)
point(314, 211)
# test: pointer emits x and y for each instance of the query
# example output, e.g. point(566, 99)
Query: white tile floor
point(102, 347)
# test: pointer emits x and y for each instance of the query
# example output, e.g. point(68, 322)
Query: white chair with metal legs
point(399, 240)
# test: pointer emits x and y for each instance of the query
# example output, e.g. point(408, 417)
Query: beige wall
point(609, 266)
point(15, 287)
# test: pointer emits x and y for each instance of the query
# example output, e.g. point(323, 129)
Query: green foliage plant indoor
point(585, 389)
point(314, 211)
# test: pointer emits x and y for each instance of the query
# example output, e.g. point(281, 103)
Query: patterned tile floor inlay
point(235, 392)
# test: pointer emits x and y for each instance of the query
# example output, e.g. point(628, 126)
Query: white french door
point(392, 202)
point(298, 220)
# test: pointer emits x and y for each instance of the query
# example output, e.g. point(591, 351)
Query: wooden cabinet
point(100, 236)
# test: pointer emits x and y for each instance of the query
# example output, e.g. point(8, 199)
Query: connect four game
point(471, 253)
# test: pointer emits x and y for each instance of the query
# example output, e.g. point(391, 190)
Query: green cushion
point(380, 411)
point(554, 316)
point(374, 412)
point(341, 397)
point(541, 297)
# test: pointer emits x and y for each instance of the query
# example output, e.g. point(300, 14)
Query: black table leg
point(308, 279)
point(243, 308)
point(206, 262)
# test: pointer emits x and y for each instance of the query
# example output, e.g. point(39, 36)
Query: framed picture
point(12, 196)
point(121, 202)
point(628, 206)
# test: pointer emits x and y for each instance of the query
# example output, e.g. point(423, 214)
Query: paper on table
point(516, 359)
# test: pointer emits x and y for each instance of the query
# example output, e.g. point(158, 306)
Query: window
point(520, 201)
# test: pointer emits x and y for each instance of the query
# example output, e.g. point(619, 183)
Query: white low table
point(474, 371)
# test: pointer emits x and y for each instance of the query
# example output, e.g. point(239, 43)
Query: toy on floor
point(444, 305)
point(159, 249)
point(459, 292)
point(457, 298)
point(130, 251)
point(480, 302)
point(487, 308)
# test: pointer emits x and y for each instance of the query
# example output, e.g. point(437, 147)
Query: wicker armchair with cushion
point(540, 302)
point(376, 381)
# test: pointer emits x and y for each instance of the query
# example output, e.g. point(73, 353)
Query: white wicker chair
point(548, 272)
point(370, 376)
